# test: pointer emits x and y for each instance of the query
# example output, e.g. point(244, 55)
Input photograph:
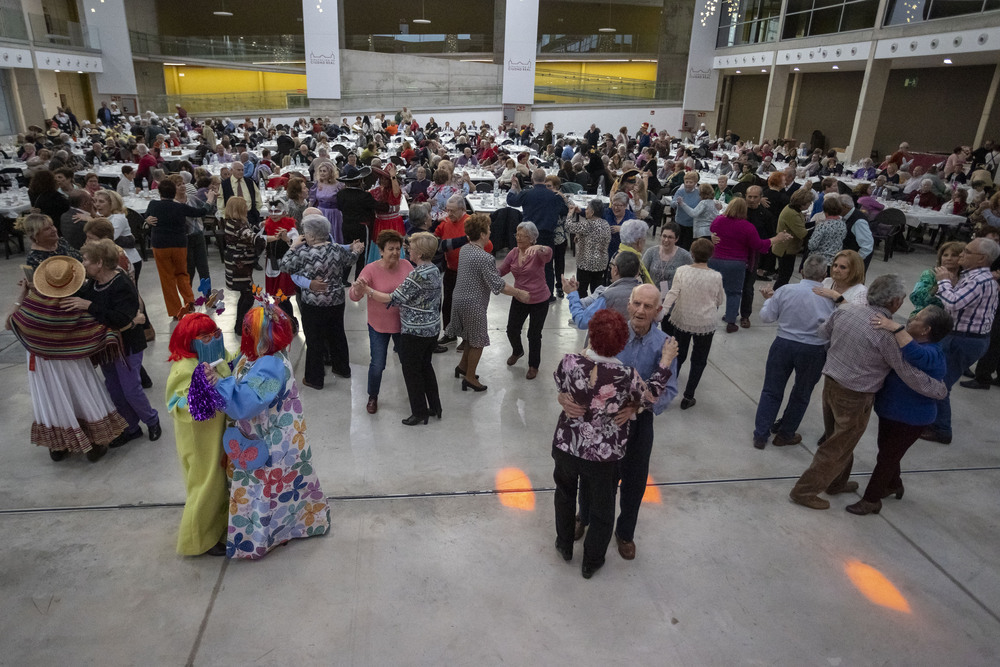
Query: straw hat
point(59, 276)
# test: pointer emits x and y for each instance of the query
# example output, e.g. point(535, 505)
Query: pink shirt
point(382, 319)
point(530, 275)
point(738, 239)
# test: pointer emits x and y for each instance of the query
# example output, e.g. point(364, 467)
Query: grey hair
point(886, 289)
point(620, 197)
point(989, 248)
point(633, 231)
point(927, 180)
point(538, 176)
point(814, 267)
point(529, 227)
point(316, 227)
point(847, 201)
point(456, 200)
point(418, 214)
point(597, 207)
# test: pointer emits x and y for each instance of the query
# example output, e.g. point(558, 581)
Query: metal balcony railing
point(50, 31)
point(248, 49)
point(421, 44)
point(616, 42)
point(571, 88)
point(12, 25)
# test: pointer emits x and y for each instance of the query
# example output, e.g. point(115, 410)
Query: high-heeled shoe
point(898, 492)
point(438, 413)
point(460, 373)
point(474, 387)
point(413, 420)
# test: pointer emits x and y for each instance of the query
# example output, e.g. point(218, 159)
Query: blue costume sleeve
point(253, 393)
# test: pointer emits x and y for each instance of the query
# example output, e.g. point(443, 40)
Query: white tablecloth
point(916, 216)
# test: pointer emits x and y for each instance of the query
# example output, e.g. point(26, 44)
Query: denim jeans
point(378, 342)
point(784, 357)
point(733, 271)
point(960, 352)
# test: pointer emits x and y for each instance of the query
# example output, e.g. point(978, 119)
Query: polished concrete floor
point(430, 561)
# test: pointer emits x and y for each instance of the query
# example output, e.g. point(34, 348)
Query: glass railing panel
point(47, 30)
point(12, 25)
point(616, 42)
point(266, 49)
point(417, 44)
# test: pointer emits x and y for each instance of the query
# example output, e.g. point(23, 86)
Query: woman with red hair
point(274, 494)
point(590, 446)
point(197, 340)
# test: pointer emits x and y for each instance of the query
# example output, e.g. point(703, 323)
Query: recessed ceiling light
point(79, 71)
point(836, 67)
point(795, 69)
point(947, 61)
point(223, 13)
point(764, 71)
point(607, 30)
point(55, 70)
point(738, 72)
point(422, 21)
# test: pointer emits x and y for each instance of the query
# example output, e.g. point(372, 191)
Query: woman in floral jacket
point(589, 446)
point(274, 494)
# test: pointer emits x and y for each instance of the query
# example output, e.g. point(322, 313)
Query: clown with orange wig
point(274, 494)
point(196, 340)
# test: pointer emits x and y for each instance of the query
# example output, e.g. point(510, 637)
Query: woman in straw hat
point(73, 411)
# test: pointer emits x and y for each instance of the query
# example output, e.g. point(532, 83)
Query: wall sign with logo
point(322, 41)
point(519, 51)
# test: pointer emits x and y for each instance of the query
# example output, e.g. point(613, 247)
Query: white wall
point(608, 119)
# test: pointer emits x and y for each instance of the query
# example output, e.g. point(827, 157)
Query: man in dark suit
point(242, 186)
point(82, 205)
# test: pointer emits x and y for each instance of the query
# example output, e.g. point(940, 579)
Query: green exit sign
point(910, 82)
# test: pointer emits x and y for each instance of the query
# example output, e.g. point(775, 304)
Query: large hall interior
point(783, 187)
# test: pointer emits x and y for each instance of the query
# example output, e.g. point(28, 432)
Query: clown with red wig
point(196, 340)
point(274, 494)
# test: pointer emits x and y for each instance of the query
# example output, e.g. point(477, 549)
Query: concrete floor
point(427, 564)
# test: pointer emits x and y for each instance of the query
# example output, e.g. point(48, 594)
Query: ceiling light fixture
point(947, 61)
point(608, 28)
point(764, 71)
point(739, 72)
point(223, 12)
point(795, 69)
point(836, 67)
point(423, 20)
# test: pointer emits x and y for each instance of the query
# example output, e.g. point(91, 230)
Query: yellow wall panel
point(212, 80)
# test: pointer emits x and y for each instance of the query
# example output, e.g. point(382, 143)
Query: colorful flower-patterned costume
point(281, 500)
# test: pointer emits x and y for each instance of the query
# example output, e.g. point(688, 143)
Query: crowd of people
point(428, 278)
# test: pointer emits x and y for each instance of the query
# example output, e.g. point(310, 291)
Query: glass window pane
point(795, 6)
point(820, 4)
point(860, 15)
point(825, 21)
point(796, 25)
point(943, 9)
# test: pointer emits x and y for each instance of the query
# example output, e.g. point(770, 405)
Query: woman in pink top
point(527, 262)
point(738, 240)
point(385, 275)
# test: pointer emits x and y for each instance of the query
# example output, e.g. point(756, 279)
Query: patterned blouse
point(419, 301)
point(828, 238)
point(663, 272)
point(36, 257)
point(326, 262)
point(604, 386)
point(592, 238)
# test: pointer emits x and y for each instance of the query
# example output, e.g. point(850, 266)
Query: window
point(901, 12)
point(807, 18)
point(747, 21)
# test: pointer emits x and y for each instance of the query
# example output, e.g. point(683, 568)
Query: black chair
point(137, 225)
point(9, 234)
point(887, 226)
point(503, 226)
point(484, 186)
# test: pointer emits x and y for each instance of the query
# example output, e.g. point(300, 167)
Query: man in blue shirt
point(616, 296)
point(542, 206)
point(798, 347)
point(642, 352)
point(568, 150)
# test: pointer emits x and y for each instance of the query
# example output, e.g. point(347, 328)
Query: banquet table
point(916, 216)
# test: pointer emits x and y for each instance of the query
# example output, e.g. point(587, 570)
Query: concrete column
point(774, 103)
point(869, 108)
point(672, 53)
point(793, 105)
point(991, 98)
point(499, 19)
point(108, 18)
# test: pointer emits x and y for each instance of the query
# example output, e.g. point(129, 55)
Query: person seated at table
point(861, 190)
point(958, 204)
point(814, 166)
point(954, 166)
point(91, 183)
point(467, 159)
point(416, 190)
point(925, 197)
point(303, 157)
point(867, 170)
point(725, 167)
point(891, 174)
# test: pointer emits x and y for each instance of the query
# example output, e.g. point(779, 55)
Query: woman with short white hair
point(633, 240)
point(321, 304)
point(527, 263)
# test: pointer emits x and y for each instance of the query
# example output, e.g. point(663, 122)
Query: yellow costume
point(199, 448)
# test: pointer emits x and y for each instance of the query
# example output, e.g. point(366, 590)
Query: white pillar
point(321, 30)
point(701, 81)
point(108, 18)
point(774, 103)
point(869, 108)
point(991, 97)
point(520, 43)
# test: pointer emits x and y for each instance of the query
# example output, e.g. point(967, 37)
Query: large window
point(900, 12)
point(746, 21)
point(807, 18)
